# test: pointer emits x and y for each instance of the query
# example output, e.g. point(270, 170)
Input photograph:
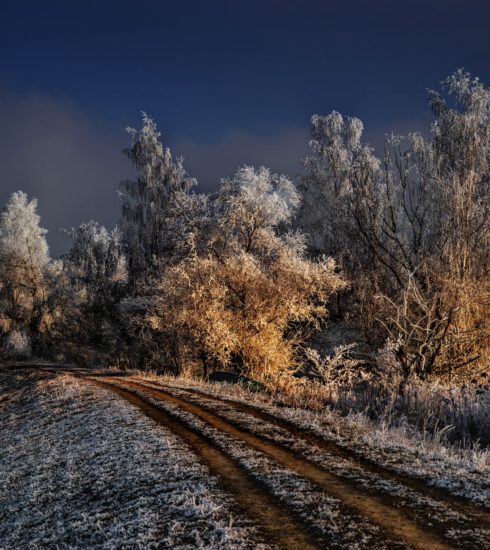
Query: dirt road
point(300, 490)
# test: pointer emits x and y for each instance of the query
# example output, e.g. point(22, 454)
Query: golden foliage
point(243, 290)
point(240, 308)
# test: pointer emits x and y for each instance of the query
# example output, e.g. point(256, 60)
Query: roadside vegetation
point(360, 287)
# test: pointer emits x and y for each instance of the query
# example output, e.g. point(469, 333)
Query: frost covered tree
point(149, 202)
point(241, 295)
point(342, 205)
point(437, 227)
point(443, 316)
point(96, 255)
point(86, 287)
point(339, 185)
point(416, 227)
point(460, 155)
point(157, 226)
point(23, 260)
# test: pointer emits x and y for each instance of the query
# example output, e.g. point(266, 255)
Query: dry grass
point(452, 415)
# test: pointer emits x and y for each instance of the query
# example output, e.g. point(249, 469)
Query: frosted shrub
point(339, 367)
point(238, 299)
point(453, 414)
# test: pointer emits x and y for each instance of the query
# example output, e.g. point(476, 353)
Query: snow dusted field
point(80, 467)
point(115, 460)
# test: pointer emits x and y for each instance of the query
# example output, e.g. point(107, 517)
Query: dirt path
point(401, 523)
point(280, 523)
point(395, 523)
point(274, 520)
point(479, 516)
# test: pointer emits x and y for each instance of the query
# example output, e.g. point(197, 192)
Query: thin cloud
point(51, 150)
point(209, 162)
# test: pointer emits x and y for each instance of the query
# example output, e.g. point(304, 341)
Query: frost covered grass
point(399, 446)
point(395, 493)
point(448, 414)
point(79, 467)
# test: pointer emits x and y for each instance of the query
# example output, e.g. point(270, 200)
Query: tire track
point(274, 521)
point(396, 523)
point(470, 510)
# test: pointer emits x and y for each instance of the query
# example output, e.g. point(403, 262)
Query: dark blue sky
point(227, 82)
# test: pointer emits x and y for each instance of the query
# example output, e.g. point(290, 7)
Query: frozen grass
point(399, 445)
point(421, 506)
point(454, 415)
point(81, 468)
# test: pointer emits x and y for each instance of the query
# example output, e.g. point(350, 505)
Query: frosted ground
point(80, 467)
point(462, 472)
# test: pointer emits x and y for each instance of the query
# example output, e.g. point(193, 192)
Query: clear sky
point(228, 82)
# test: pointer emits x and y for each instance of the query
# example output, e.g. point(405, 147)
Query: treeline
point(240, 279)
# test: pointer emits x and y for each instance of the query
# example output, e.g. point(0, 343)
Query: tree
point(149, 202)
point(86, 286)
point(417, 227)
point(241, 295)
point(342, 207)
point(23, 259)
point(443, 183)
point(342, 173)
point(96, 255)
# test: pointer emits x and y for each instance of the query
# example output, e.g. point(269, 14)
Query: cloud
point(70, 161)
